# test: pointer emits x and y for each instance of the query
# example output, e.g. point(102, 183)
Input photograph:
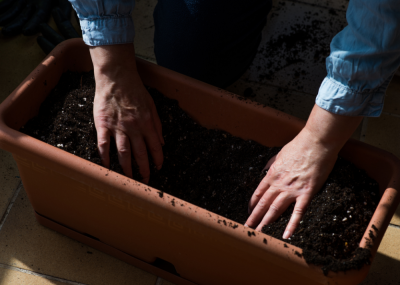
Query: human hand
point(124, 109)
point(300, 169)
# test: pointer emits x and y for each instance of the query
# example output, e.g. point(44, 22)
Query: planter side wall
point(199, 254)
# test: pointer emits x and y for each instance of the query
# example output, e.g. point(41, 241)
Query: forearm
point(329, 130)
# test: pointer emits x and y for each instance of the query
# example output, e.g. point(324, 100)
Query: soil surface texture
point(219, 172)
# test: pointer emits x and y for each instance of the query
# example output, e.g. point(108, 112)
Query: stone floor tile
point(144, 28)
point(383, 132)
point(392, 99)
point(27, 245)
point(295, 45)
point(386, 264)
point(22, 55)
point(291, 102)
point(396, 218)
point(165, 282)
point(15, 277)
point(333, 4)
point(9, 180)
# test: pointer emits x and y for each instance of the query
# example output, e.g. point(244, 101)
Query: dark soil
point(219, 172)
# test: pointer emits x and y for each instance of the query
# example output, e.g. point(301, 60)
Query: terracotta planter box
point(124, 218)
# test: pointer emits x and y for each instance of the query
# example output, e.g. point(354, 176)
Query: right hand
point(124, 109)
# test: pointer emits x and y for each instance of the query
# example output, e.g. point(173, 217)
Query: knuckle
point(124, 151)
point(262, 203)
point(126, 122)
point(102, 143)
point(291, 225)
point(274, 208)
point(132, 123)
point(155, 148)
point(146, 117)
point(100, 118)
point(298, 211)
point(258, 194)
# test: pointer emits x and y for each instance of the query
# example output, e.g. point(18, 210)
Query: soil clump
point(219, 172)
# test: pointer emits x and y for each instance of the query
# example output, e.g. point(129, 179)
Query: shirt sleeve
point(364, 57)
point(105, 22)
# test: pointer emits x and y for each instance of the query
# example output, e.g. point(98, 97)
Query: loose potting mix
point(219, 172)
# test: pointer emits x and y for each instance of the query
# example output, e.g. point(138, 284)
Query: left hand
point(296, 174)
point(300, 169)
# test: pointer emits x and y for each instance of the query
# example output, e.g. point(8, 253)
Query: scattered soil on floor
point(293, 51)
point(219, 172)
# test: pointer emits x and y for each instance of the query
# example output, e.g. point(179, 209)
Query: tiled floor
point(32, 254)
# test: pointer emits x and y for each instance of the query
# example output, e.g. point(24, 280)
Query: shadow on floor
point(384, 270)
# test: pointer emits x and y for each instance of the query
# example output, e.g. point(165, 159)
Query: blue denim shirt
point(106, 22)
point(364, 55)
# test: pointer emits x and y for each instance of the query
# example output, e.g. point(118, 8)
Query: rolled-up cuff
point(339, 99)
point(108, 31)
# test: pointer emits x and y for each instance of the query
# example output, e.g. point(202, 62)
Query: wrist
point(316, 140)
point(115, 71)
point(114, 62)
point(329, 130)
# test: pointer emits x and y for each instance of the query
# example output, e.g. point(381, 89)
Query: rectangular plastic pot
point(133, 222)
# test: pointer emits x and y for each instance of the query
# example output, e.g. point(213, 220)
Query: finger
point(157, 124)
point(124, 153)
point(277, 207)
point(155, 148)
point(269, 163)
point(258, 193)
point(140, 154)
point(261, 208)
point(262, 187)
point(298, 213)
point(103, 144)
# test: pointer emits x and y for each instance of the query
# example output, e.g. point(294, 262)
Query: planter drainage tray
point(121, 217)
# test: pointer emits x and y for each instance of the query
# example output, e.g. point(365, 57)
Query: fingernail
point(246, 225)
point(159, 167)
point(286, 235)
